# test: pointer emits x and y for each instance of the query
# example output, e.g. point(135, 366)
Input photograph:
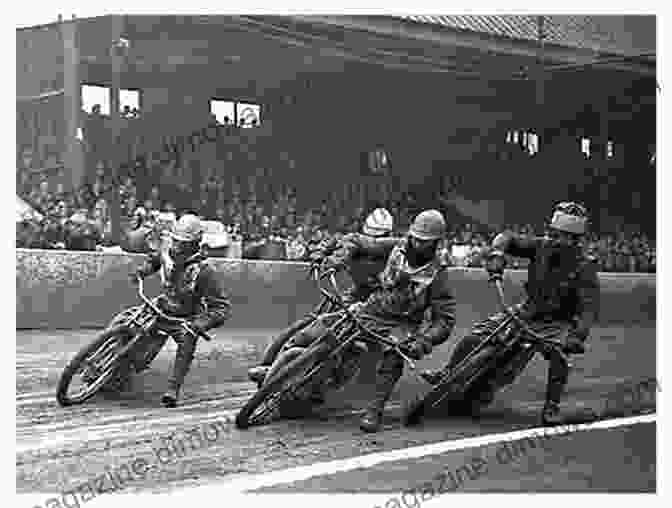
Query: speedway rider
point(562, 289)
point(363, 255)
point(413, 281)
point(191, 290)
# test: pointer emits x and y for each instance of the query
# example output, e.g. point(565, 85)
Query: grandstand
point(266, 123)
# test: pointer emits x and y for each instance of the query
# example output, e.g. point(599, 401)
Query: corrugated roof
point(626, 35)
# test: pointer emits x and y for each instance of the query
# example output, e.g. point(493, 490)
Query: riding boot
point(558, 374)
point(389, 373)
point(183, 358)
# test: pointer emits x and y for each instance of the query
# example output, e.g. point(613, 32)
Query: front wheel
point(287, 386)
point(96, 364)
point(461, 388)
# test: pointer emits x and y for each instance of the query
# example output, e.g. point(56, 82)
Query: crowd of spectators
point(266, 215)
point(622, 252)
point(277, 227)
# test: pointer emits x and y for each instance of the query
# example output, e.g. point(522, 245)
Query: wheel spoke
point(289, 393)
point(100, 363)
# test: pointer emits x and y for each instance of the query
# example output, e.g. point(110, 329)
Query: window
point(532, 143)
point(585, 146)
point(528, 140)
point(610, 149)
point(243, 114)
point(223, 110)
point(95, 94)
point(101, 95)
point(248, 115)
point(130, 98)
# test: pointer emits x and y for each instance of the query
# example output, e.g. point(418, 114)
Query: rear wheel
point(292, 384)
point(96, 364)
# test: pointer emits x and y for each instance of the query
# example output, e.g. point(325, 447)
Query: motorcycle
point(325, 305)
point(494, 363)
point(113, 355)
point(329, 363)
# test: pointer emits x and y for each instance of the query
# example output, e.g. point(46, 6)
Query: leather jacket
point(191, 290)
point(564, 288)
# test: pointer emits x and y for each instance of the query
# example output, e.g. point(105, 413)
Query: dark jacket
point(424, 300)
point(192, 290)
point(565, 288)
point(362, 256)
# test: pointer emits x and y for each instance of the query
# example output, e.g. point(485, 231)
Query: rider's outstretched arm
point(439, 327)
point(355, 244)
point(520, 246)
point(217, 305)
point(342, 252)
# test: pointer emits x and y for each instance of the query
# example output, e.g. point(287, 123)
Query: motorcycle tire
point(455, 389)
point(276, 345)
point(115, 334)
point(288, 379)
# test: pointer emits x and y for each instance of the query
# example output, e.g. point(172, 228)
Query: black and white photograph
point(373, 259)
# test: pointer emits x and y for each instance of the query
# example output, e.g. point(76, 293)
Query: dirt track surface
point(197, 443)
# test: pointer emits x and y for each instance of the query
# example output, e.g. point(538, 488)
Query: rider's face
point(180, 250)
point(423, 247)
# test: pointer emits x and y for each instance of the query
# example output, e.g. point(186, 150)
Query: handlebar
point(182, 322)
point(336, 298)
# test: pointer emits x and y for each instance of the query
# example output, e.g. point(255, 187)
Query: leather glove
point(199, 325)
point(134, 277)
point(316, 258)
point(495, 262)
point(417, 347)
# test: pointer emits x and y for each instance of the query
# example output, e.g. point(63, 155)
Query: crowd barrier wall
point(69, 290)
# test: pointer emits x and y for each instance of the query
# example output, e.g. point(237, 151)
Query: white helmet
point(187, 229)
point(379, 223)
point(569, 217)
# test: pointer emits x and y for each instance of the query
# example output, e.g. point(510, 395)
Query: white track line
point(239, 486)
point(373, 459)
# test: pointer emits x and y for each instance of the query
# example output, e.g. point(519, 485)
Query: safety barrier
point(69, 289)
